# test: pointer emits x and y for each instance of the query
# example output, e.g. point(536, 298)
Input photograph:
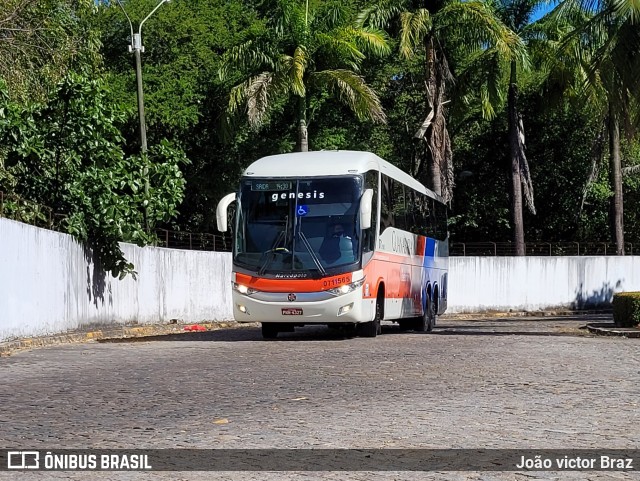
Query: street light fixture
point(137, 48)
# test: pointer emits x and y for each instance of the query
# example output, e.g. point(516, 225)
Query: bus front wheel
point(372, 328)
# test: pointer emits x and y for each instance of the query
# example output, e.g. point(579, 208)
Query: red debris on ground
point(195, 327)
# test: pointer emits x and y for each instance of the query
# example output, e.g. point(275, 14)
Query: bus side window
point(442, 228)
point(433, 220)
point(386, 207)
point(411, 197)
point(421, 215)
point(369, 235)
point(399, 206)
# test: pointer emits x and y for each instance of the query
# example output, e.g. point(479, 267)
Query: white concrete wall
point(50, 284)
point(531, 283)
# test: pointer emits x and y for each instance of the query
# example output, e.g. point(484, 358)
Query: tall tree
point(500, 76)
point(433, 29)
point(311, 48)
point(517, 15)
point(604, 50)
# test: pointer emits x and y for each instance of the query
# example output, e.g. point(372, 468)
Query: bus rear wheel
point(269, 330)
point(426, 322)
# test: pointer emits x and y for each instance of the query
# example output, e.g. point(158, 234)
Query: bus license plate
point(291, 311)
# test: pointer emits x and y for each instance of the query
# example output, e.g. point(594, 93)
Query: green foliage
point(310, 51)
point(41, 40)
point(182, 42)
point(560, 141)
point(631, 181)
point(602, 52)
point(626, 309)
point(185, 100)
point(67, 153)
point(23, 210)
point(184, 97)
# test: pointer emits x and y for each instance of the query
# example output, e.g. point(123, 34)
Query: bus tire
point(372, 328)
point(269, 330)
point(349, 331)
point(431, 315)
point(426, 322)
point(434, 311)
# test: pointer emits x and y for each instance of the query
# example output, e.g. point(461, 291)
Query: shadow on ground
point(548, 326)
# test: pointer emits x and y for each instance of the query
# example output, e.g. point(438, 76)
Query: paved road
point(537, 383)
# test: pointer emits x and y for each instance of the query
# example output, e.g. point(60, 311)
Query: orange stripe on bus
point(293, 285)
point(401, 274)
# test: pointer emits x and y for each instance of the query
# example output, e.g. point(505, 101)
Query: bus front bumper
point(347, 308)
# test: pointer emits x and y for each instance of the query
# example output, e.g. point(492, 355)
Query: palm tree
point(311, 48)
point(604, 49)
point(434, 28)
point(500, 74)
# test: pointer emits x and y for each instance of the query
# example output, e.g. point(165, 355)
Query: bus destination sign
point(258, 185)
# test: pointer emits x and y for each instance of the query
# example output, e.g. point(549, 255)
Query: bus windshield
point(305, 227)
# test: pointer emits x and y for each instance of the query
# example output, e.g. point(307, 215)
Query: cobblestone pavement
point(538, 383)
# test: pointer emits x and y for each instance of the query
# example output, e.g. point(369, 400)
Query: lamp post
point(137, 48)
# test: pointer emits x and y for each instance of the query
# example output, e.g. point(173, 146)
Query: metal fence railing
point(537, 248)
point(17, 208)
point(193, 240)
point(218, 242)
point(14, 207)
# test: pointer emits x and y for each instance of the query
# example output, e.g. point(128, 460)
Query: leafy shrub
point(68, 153)
point(626, 309)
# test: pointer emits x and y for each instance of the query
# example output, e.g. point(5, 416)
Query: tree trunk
point(303, 134)
point(435, 153)
point(515, 150)
point(432, 104)
point(615, 178)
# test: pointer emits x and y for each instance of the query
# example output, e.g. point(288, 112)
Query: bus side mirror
point(221, 211)
point(365, 209)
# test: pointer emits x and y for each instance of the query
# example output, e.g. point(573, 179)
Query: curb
point(108, 333)
point(608, 329)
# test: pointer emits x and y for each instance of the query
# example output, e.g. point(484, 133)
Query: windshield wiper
point(275, 249)
point(314, 257)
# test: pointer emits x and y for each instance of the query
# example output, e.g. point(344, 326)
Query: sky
point(543, 9)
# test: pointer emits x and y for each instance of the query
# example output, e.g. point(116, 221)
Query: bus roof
point(327, 163)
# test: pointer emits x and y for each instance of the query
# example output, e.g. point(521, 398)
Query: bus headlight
point(345, 309)
point(242, 289)
point(347, 288)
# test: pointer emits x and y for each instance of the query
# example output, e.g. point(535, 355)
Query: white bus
point(341, 238)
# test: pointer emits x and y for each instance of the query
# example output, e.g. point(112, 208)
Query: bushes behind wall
point(626, 309)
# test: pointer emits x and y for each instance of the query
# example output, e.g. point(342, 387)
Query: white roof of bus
point(327, 163)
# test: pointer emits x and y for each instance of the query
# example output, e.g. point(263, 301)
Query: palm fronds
point(353, 91)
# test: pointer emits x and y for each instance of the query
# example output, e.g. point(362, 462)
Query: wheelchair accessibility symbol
point(302, 210)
